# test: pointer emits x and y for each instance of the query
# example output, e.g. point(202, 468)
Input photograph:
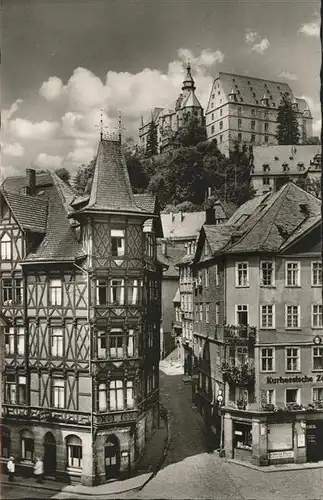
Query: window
point(267, 359)
point(130, 343)
point(266, 127)
point(102, 344)
point(239, 137)
point(292, 316)
point(267, 316)
point(316, 273)
point(212, 116)
point(27, 446)
point(242, 278)
point(239, 123)
point(206, 248)
point(253, 112)
point(101, 292)
point(267, 273)
point(9, 340)
point(253, 137)
point(58, 393)
point(317, 393)
point(117, 291)
point(317, 358)
point(217, 313)
point(20, 340)
point(207, 313)
point(212, 129)
point(270, 396)
point(266, 138)
point(74, 452)
point(221, 138)
point(217, 275)
point(201, 312)
point(253, 125)
point(130, 394)
point(116, 395)
point(206, 277)
point(102, 391)
point(5, 443)
point(292, 276)
point(242, 315)
point(221, 125)
point(55, 292)
point(116, 343)
point(292, 396)
point(150, 247)
point(57, 341)
point(242, 356)
point(196, 313)
point(12, 291)
point(239, 110)
point(5, 247)
point(317, 316)
point(292, 359)
point(11, 389)
point(221, 112)
point(133, 292)
point(117, 242)
point(265, 181)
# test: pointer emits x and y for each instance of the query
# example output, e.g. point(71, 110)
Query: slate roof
point(276, 156)
point(244, 211)
point(174, 254)
point(111, 189)
point(147, 202)
point(30, 212)
point(275, 220)
point(306, 226)
point(191, 101)
point(16, 184)
point(184, 225)
point(246, 86)
point(218, 236)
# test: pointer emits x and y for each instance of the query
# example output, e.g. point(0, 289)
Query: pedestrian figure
point(11, 468)
point(39, 470)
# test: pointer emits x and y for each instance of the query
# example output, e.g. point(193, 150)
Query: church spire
point(188, 83)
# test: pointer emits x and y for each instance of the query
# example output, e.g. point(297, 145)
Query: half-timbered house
point(80, 289)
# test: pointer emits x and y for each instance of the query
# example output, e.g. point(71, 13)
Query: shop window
point(280, 436)
point(27, 446)
point(242, 436)
point(74, 452)
point(117, 242)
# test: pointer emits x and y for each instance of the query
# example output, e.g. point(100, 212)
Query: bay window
point(116, 398)
point(130, 343)
point(11, 389)
point(117, 242)
point(117, 291)
point(133, 292)
point(102, 397)
point(130, 394)
point(102, 344)
point(116, 339)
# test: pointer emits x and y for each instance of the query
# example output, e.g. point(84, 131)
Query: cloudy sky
point(62, 61)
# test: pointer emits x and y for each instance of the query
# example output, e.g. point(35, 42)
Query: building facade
point(274, 165)
point(259, 380)
point(244, 109)
point(81, 292)
point(170, 119)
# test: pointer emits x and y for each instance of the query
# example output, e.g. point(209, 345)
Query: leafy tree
point(313, 140)
point(185, 206)
point(287, 129)
point(63, 174)
point(152, 140)
point(83, 177)
point(138, 177)
point(310, 185)
point(190, 133)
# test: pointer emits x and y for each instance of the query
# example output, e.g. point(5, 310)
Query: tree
point(313, 140)
point(137, 175)
point(152, 140)
point(63, 174)
point(83, 177)
point(287, 129)
point(310, 185)
point(190, 133)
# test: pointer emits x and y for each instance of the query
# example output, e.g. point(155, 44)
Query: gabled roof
point(16, 184)
point(244, 211)
point(111, 189)
point(30, 212)
point(303, 229)
point(275, 220)
point(182, 225)
point(218, 236)
point(276, 156)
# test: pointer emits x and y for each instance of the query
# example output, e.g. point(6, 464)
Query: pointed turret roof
point(111, 189)
point(191, 101)
point(188, 83)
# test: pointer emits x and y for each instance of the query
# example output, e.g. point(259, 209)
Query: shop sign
point(280, 454)
point(293, 380)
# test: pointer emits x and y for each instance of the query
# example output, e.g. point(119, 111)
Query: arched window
point(27, 445)
point(5, 247)
point(74, 452)
point(5, 442)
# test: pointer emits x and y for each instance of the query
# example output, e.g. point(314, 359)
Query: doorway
point(314, 440)
point(112, 457)
point(49, 454)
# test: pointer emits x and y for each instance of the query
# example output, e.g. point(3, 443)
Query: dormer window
point(266, 167)
point(276, 158)
point(285, 167)
point(117, 242)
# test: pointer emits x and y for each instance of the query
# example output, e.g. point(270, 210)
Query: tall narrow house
point(81, 293)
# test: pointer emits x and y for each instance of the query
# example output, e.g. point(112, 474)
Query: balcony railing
point(235, 335)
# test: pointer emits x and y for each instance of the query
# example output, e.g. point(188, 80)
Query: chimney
point(31, 181)
point(209, 209)
point(164, 248)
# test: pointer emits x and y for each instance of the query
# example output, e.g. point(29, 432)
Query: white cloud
point(255, 42)
point(51, 89)
point(80, 156)
point(8, 113)
point(14, 149)
point(287, 75)
point(312, 28)
point(48, 161)
point(25, 129)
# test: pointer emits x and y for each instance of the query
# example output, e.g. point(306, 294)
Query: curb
point(282, 468)
point(165, 415)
